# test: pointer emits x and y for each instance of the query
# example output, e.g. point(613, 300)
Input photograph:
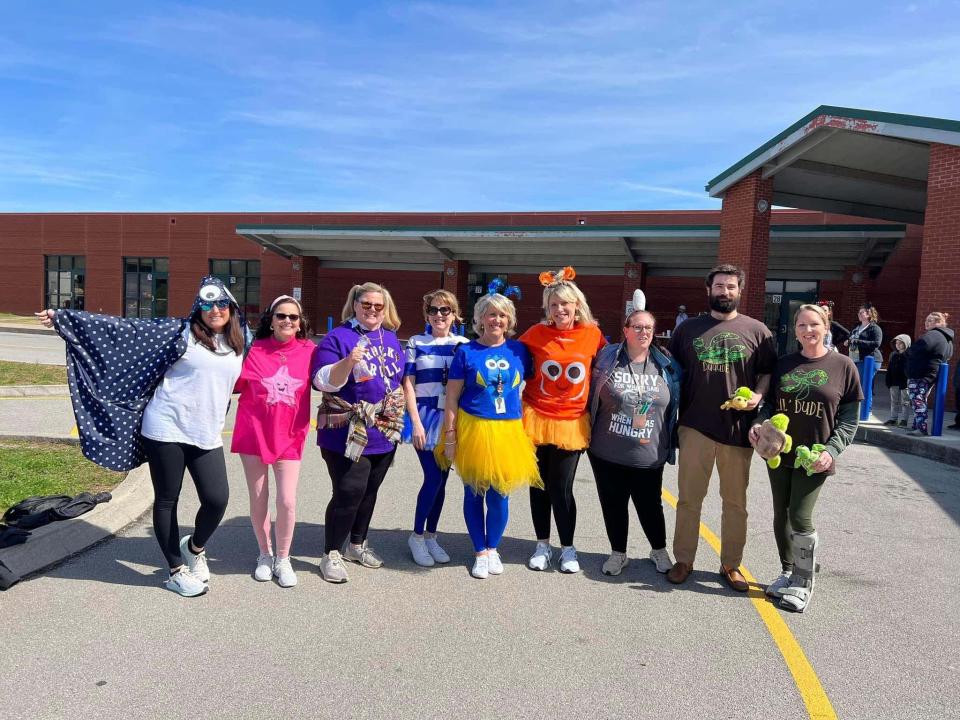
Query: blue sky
point(445, 106)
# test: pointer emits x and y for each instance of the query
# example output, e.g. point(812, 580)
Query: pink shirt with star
point(273, 416)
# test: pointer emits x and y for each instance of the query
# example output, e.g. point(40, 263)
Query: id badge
point(639, 419)
point(500, 405)
point(442, 399)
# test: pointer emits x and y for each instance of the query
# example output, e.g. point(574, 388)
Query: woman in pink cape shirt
point(273, 418)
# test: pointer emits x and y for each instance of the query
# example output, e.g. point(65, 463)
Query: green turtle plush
point(739, 400)
point(808, 456)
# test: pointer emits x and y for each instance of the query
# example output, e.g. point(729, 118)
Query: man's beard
point(724, 305)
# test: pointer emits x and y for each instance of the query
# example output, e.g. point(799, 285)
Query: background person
point(681, 316)
point(819, 392)
point(273, 418)
point(718, 353)
point(359, 367)
point(635, 395)
point(896, 379)
point(425, 379)
point(165, 402)
point(935, 346)
point(555, 413)
point(483, 433)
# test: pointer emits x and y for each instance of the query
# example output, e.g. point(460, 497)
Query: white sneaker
point(568, 560)
point(494, 564)
point(196, 562)
point(418, 548)
point(264, 569)
point(615, 563)
point(436, 552)
point(283, 572)
point(775, 589)
point(542, 555)
point(481, 568)
point(185, 583)
point(332, 569)
point(661, 559)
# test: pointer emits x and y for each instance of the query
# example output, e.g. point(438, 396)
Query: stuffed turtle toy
point(773, 440)
point(739, 400)
point(808, 456)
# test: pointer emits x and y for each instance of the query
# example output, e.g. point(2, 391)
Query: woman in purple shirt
point(359, 368)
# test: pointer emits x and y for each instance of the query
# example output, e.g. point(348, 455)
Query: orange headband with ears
point(548, 277)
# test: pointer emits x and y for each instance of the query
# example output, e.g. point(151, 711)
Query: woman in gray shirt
point(635, 392)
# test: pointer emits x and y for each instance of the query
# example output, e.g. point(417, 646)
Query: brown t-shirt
point(717, 357)
point(809, 392)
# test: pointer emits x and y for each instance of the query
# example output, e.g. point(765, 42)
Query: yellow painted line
point(74, 432)
point(814, 696)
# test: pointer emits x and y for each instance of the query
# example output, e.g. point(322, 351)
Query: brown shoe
point(734, 579)
point(679, 573)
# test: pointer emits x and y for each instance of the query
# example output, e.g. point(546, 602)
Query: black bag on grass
point(39, 510)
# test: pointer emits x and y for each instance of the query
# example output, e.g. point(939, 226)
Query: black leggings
point(557, 468)
point(167, 461)
point(355, 486)
point(616, 485)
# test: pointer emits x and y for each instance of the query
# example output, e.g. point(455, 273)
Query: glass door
point(783, 298)
point(145, 287)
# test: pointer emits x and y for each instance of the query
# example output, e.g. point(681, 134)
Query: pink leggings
point(287, 474)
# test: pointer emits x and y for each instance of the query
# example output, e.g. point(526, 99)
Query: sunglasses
point(221, 304)
point(371, 306)
point(433, 310)
point(292, 317)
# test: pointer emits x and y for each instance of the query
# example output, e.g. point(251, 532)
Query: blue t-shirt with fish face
point(485, 370)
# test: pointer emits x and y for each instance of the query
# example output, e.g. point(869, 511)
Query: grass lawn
point(28, 468)
point(15, 373)
point(18, 319)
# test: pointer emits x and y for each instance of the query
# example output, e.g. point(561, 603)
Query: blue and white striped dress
point(427, 361)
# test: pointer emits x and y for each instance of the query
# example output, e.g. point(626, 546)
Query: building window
point(65, 281)
point(243, 279)
point(145, 287)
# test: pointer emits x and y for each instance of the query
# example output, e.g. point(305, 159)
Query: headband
point(565, 274)
point(498, 286)
point(285, 298)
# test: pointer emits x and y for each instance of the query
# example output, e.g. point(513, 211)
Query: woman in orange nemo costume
point(555, 413)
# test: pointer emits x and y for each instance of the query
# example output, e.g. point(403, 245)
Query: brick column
point(745, 236)
point(303, 275)
point(455, 280)
point(856, 291)
point(939, 268)
point(634, 278)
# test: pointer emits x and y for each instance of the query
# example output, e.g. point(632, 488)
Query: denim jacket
point(614, 356)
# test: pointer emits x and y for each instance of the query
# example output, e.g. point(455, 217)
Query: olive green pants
point(794, 495)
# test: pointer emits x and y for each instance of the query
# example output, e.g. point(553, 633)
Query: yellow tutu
point(565, 434)
point(495, 453)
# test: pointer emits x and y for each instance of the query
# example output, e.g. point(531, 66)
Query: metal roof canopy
point(849, 161)
point(796, 251)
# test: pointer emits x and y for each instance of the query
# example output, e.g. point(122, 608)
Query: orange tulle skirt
point(565, 434)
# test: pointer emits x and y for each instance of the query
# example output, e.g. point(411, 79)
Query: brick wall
point(745, 236)
point(939, 287)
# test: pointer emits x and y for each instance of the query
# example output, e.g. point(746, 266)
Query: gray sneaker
point(332, 569)
point(196, 562)
point(264, 569)
point(364, 556)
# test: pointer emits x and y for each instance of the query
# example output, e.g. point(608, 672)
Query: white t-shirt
point(190, 404)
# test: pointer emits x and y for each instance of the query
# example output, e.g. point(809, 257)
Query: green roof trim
point(586, 229)
point(854, 113)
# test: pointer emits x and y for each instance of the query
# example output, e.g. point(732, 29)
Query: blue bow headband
point(498, 286)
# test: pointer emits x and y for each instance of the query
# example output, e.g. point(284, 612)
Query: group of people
point(505, 413)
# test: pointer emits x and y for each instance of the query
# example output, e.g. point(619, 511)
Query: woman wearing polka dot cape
point(159, 390)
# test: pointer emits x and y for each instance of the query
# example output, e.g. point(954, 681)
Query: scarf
point(386, 416)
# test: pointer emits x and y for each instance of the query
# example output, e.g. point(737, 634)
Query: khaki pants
point(698, 453)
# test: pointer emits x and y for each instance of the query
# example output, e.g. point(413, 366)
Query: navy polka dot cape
point(113, 366)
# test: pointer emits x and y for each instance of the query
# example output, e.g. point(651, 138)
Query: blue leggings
point(430, 497)
point(486, 535)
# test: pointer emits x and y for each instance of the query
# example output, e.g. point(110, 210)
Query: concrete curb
point(919, 446)
point(38, 330)
point(34, 390)
point(53, 543)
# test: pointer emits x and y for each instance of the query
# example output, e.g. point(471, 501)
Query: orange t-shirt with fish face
point(561, 360)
